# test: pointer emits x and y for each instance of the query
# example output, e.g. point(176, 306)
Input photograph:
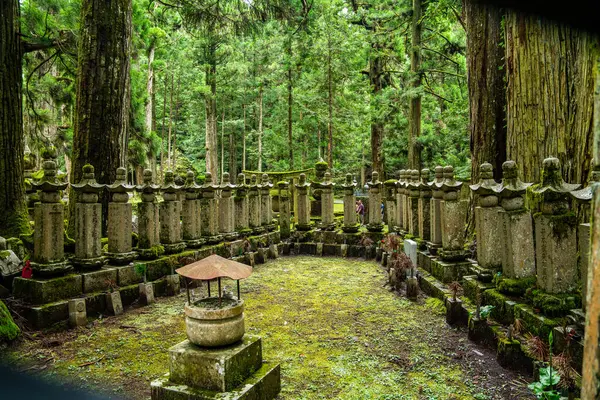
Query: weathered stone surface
point(375, 217)
point(170, 225)
point(584, 261)
point(410, 249)
point(148, 225)
point(518, 254)
point(266, 208)
point(264, 384)
point(424, 218)
point(221, 369)
point(2, 243)
point(119, 233)
point(127, 276)
point(88, 232)
point(436, 221)
point(10, 265)
point(48, 239)
point(146, 292)
point(490, 243)
point(555, 253)
point(284, 210)
point(303, 211)
point(77, 312)
point(454, 217)
point(114, 306)
point(43, 291)
point(449, 271)
point(101, 280)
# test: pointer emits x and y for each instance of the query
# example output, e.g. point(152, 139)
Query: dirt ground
point(332, 324)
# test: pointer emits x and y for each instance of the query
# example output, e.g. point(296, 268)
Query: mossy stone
point(8, 329)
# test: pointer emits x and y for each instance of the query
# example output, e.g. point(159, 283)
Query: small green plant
point(141, 270)
point(549, 378)
point(485, 311)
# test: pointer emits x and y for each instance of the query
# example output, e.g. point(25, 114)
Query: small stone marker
point(410, 249)
point(113, 303)
point(77, 313)
point(146, 293)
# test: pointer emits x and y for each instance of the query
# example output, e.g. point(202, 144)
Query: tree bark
point(414, 151)
point(244, 139)
point(290, 89)
point(223, 143)
point(260, 126)
point(377, 131)
point(13, 210)
point(103, 94)
point(550, 93)
point(175, 120)
point(169, 149)
point(487, 90)
point(150, 90)
point(162, 131)
point(212, 164)
point(329, 102)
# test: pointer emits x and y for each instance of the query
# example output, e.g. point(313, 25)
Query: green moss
point(8, 329)
point(4, 253)
point(555, 305)
point(515, 287)
point(15, 223)
point(562, 225)
point(436, 305)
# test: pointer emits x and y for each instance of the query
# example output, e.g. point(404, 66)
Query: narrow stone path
point(336, 330)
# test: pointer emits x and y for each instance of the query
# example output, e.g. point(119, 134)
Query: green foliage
point(549, 378)
point(8, 329)
point(485, 311)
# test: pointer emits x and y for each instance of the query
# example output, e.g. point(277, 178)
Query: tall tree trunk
point(329, 103)
point(175, 120)
point(244, 139)
point(260, 126)
point(232, 155)
point(377, 132)
point(103, 94)
point(13, 210)
point(212, 165)
point(550, 72)
point(162, 131)
point(290, 102)
point(414, 151)
point(169, 153)
point(319, 141)
point(487, 90)
point(223, 143)
point(150, 90)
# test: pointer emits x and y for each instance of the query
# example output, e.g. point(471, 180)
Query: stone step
point(264, 384)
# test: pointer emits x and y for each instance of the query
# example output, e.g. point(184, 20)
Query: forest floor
point(332, 324)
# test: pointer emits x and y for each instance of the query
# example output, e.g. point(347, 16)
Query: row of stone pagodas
point(189, 216)
point(530, 230)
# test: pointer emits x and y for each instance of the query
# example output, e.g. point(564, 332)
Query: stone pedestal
point(88, 232)
point(226, 207)
point(453, 218)
point(400, 206)
point(375, 218)
point(350, 223)
point(518, 254)
point(119, 221)
point(170, 216)
point(424, 206)
point(191, 213)
point(266, 206)
point(555, 232)
point(232, 372)
point(48, 237)
point(114, 305)
point(284, 210)
point(254, 212)
point(391, 213)
point(241, 206)
point(556, 253)
point(437, 195)
point(327, 222)
point(303, 211)
point(210, 210)
point(414, 194)
point(148, 220)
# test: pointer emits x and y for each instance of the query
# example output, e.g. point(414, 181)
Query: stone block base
point(100, 280)
point(483, 274)
point(472, 287)
point(43, 291)
point(449, 271)
point(221, 369)
point(172, 248)
point(89, 264)
point(127, 276)
point(195, 243)
point(121, 258)
point(51, 269)
point(264, 384)
point(424, 260)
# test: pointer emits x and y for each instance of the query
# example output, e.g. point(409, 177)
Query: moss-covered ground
point(337, 332)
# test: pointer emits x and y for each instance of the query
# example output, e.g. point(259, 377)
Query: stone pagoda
point(148, 219)
point(120, 249)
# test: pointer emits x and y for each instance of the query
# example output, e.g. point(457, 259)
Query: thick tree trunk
point(162, 131)
point(103, 94)
point(13, 210)
point(414, 151)
point(175, 120)
point(212, 165)
point(223, 143)
point(550, 73)
point(169, 149)
point(260, 127)
point(487, 90)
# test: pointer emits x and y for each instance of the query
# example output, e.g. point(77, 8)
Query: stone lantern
point(325, 186)
point(191, 213)
point(226, 209)
point(266, 206)
point(170, 216)
point(303, 210)
point(49, 236)
point(375, 188)
point(218, 360)
point(454, 217)
point(437, 195)
point(413, 203)
point(350, 223)
point(241, 206)
point(425, 205)
point(210, 207)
